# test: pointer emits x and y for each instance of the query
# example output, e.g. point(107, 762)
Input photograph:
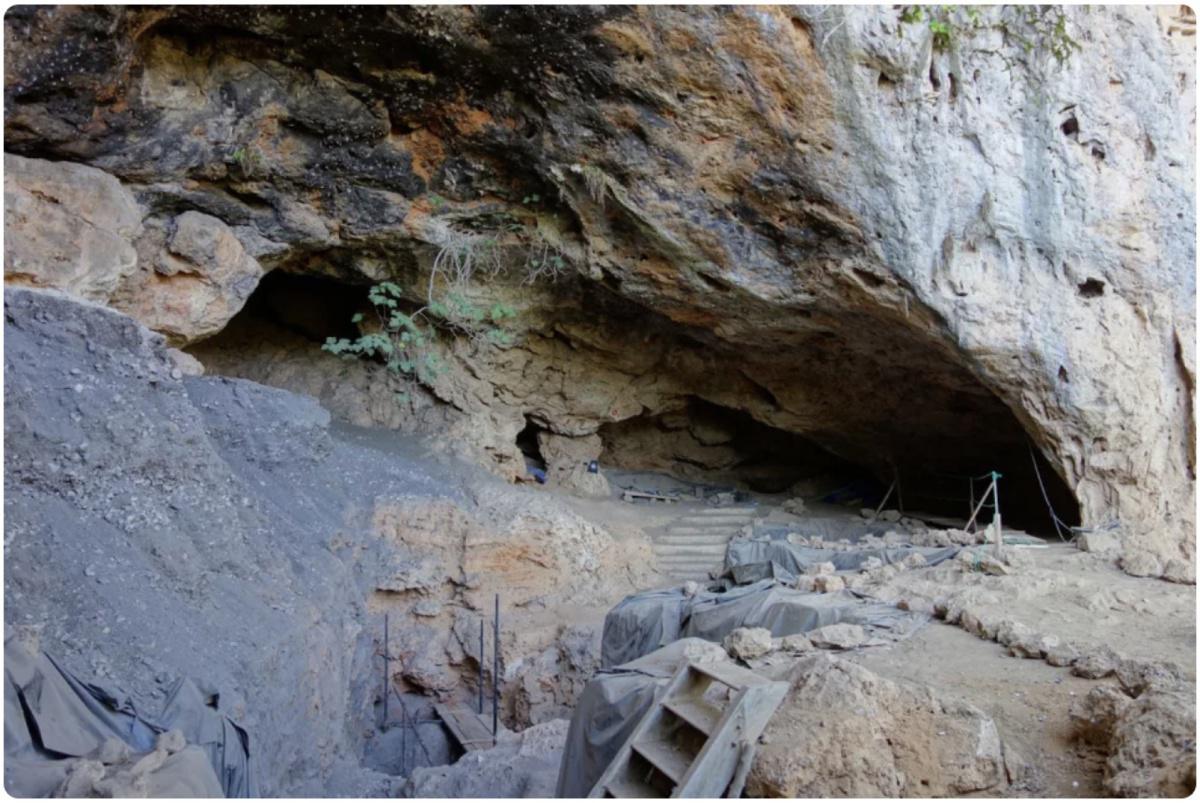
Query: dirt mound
point(843, 731)
point(1146, 726)
point(160, 526)
point(522, 765)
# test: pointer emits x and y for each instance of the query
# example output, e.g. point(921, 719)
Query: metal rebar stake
point(496, 671)
point(386, 671)
point(481, 666)
point(996, 517)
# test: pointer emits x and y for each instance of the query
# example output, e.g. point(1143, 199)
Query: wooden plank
point(465, 727)
point(631, 788)
point(696, 712)
point(629, 496)
point(742, 722)
point(730, 674)
point(671, 759)
point(620, 763)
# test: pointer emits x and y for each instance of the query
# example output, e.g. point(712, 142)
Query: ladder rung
point(631, 788)
point(696, 712)
point(667, 758)
point(732, 676)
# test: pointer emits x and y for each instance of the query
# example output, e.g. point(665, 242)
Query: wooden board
point(465, 727)
point(629, 496)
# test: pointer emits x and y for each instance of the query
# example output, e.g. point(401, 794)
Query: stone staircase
point(694, 544)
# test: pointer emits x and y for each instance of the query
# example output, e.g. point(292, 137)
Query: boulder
point(1153, 744)
point(795, 506)
point(1097, 663)
point(828, 583)
point(841, 636)
point(567, 460)
point(524, 764)
point(1141, 563)
point(820, 568)
point(67, 226)
point(1035, 645)
point(1149, 740)
point(843, 731)
point(1101, 542)
point(747, 643)
point(795, 643)
point(1180, 571)
point(193, 276)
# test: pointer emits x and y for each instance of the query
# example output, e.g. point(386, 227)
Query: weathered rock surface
point(747, 643)
point(1147, 728)
point(843, 731)
point(193, 276)
point(67, 226)
point(521, 765)
point(226, 531)
point(781, 212)
point(840, 636)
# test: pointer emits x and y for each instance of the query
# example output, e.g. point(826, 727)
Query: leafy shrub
point(1035, 29)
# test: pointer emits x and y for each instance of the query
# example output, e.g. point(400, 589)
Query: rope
point(1058, 523)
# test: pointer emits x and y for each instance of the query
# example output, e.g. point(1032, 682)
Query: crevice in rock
point(527, 442)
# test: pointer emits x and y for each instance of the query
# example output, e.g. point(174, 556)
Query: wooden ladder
point(698, 738)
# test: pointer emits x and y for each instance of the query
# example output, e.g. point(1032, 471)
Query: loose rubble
point(843, 731)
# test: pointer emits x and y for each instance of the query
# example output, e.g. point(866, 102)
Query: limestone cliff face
point(912, 257)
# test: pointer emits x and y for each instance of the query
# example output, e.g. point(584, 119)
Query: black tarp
point(642, 623)
point(51, 717)
point(610, 707)
point(797, 559)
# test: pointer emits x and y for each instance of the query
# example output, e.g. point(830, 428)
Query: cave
point(312, 307)
point(852, 410)
point(703, 442)
point(710, 443)
point(527, 443)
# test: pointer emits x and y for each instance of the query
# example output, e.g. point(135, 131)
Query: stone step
point(711, 516)
point(690, 564)
point(693, 557)
point(690, 549)
point(691, 529)
point(674, 538)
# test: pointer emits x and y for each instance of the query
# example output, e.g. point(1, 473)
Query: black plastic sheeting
point(797, 559)
point(642, 623)
point(51, 717)
point(610, 707)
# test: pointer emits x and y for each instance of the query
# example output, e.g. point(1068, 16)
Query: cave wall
point(812, 216)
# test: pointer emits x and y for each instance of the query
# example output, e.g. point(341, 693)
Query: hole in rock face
point(1070, 126)
point(1092, 288)
point(527, 442)
point(709, 443)
point(312, 307)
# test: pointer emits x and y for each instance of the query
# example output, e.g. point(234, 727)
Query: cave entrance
point(527, 442)
point(287, 313)
point(707, 443)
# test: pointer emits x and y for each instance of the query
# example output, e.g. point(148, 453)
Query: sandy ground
point(1027, 699)
point(1077, 596)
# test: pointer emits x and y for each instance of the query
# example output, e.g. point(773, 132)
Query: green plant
point(1034, 28)
point(248, 158)
point(469, 248)
point(401, 340)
